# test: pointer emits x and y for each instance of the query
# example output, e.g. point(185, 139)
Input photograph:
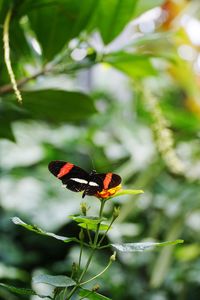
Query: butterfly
point(78, 180)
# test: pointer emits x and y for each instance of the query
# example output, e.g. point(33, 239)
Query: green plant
point(138, 111)
point(93, 231)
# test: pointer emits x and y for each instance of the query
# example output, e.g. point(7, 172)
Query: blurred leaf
point(91, 295)
point(127, 192)
point(181, 119)
point(188, 252)
point(58, 21)
point(9, 112)
point(154, 37)
point(112, 16)
point(143, 5)
point(6, 132)
point(87, 220)
point(134, 65)
point(137, 247)
point(48, 105)
point(58, 281)
point(93, 226)
point(21, 291)
point(36, 229)
point(57, 106)
point(18, 43)
point(162, 263)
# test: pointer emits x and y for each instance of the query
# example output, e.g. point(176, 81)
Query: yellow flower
point(108, 193)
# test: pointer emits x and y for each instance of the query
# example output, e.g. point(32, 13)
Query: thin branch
point(99, 274)
point(6, 27)
point(8, 88)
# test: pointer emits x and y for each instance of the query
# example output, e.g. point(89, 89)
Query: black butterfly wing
point(109, 180)
point(95, 184)
point(73, 177)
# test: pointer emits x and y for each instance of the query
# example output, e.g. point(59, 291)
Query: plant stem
point(81, 276)
point(89, 236)
point(98, 225)
point(99, 274)
point(7, 88)
point(80, 256)
point(94, 246)
point(101, 240)
point(64, 292)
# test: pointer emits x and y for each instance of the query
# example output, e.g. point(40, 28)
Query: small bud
point(81, 235)
point(95, 288)
point(74, 268)
point(84, 208)
point(116, 212)
point(113, 257)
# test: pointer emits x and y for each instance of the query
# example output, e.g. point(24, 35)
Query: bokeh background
point(112, 86)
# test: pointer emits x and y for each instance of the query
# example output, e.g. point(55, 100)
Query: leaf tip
point(17, 221)
point(180, 241)
point(140, 191)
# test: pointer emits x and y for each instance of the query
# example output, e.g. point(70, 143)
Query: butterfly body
point(76, 179)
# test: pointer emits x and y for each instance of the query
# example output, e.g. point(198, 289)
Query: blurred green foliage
point(108, 87)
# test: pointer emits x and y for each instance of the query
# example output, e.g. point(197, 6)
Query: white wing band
point(92, 183)
point(79, 180)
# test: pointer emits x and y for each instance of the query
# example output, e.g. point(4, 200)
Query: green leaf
point(144, 5)
point(38, 230)
point(127, 192)
point(112, 16)
point(9, 112)
point(181, 119)
point(188, 253)
point(56, 22)
point(91, 295)
point(93, 226)
point(21, 291)
point(138, 247)
point(18, 42)
point(87, 220)
point(6, 132)
point(55, 106)
point(134, 65)
point(58, 106)
point(57, 281)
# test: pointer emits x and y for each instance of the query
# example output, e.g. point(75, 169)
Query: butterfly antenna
point(93, 166)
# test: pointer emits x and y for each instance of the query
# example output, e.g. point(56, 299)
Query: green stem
point(81, 237)
point(94, 247)
point(81, 276)
point(85, 297)
point(80, 256)
point(99, 274)
point(98, 225)
point(89, 236)
point(103, 247)
point(104, 235)
point(64, 293)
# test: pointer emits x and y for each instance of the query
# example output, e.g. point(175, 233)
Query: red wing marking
point(107, 180)
point(65, 170)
